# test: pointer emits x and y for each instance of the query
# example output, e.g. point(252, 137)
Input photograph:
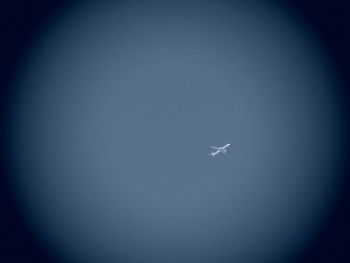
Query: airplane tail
point(212, 154)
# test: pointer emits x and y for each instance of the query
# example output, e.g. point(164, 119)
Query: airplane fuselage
point(222, 149)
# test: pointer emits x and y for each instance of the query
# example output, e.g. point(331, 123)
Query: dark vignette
point(20, 20)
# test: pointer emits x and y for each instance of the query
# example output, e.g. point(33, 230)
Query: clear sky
point(116, 108)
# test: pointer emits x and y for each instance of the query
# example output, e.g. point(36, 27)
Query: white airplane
point(222, 149)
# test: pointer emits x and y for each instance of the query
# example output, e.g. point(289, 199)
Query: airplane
point(222, 149)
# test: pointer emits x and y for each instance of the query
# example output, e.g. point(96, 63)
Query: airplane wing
point(216, 148)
